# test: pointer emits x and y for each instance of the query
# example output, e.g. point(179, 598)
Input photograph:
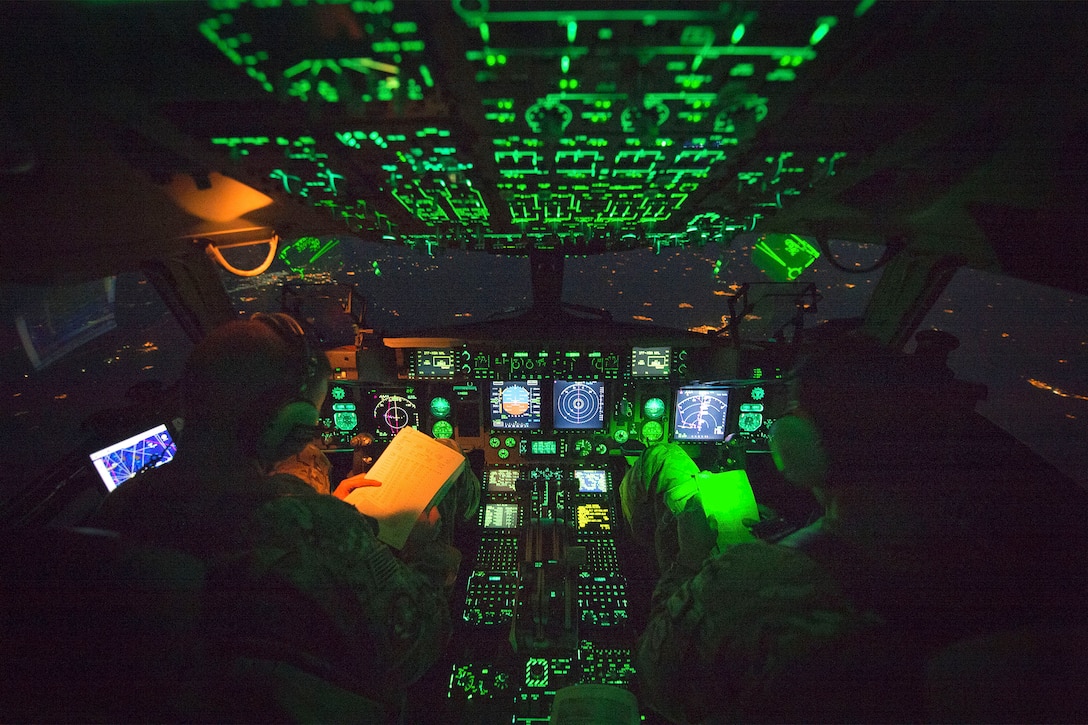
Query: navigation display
point(515, 404)
point(650, 362)
point(701, 414)
point(578, 405)
point(123, 460)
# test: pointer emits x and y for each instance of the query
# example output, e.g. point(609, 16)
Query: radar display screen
point(592, 481)
point(433, 364)
point(123, 460)
point(578, 405)
point(701, 414)
point(650, 362)
point(501, 516)
point(515, 404)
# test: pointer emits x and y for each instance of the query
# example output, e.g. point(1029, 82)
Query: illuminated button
point(654, 408)
point(511, 441)
point(494, 442)
point(440, 407)
point(652, 430)
point(503, 453)
point(442, 429)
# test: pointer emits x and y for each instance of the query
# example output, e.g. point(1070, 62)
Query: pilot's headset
point(294, 422)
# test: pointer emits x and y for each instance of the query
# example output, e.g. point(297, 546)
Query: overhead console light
point(783, 257)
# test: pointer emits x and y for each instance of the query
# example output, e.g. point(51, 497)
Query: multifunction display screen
point(578, 405)
point(651, 362)
point(515, 404)
point(591, 481)
point(434, 363)
point(701, 414)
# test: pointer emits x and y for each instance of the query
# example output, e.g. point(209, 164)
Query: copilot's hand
point(350, 484)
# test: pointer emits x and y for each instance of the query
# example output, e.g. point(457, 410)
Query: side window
point(81, 364)
point(1028, 344)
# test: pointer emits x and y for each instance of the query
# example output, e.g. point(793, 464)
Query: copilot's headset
point(294, 421)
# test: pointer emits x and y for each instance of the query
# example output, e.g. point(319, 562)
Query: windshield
point(1021, 340)
point(88, 351)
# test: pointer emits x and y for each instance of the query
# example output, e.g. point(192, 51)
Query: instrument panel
point(549, 595)
point(541, 403)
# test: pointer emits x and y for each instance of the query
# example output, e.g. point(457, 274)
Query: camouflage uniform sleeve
point(715, 638)
point(310, 465)
point(390, 621)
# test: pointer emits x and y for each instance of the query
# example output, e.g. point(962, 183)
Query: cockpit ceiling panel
point(509, 126)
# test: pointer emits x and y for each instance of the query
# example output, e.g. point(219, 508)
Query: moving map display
point(123, 460)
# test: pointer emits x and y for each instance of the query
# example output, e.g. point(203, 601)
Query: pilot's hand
point(350, 484)
point(361, 440)
point(696, 534)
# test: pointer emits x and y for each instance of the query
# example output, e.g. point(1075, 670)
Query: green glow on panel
point(654, 408)
point(824, 25)
point(572, 31)
point(863, 7)
point(442, 429)
point(564, 63)
point(345, 421)
point(652, 430)
point(440, 407)
point(485, 33)
point(749, 422)
point(738, 33)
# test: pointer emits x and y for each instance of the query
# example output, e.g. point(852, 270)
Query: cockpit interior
point(556, 233)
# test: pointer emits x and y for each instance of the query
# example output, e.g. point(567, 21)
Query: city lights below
point(1057, 391)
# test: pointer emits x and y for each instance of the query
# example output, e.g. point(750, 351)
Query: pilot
point(835, 621)
point(302, 605)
